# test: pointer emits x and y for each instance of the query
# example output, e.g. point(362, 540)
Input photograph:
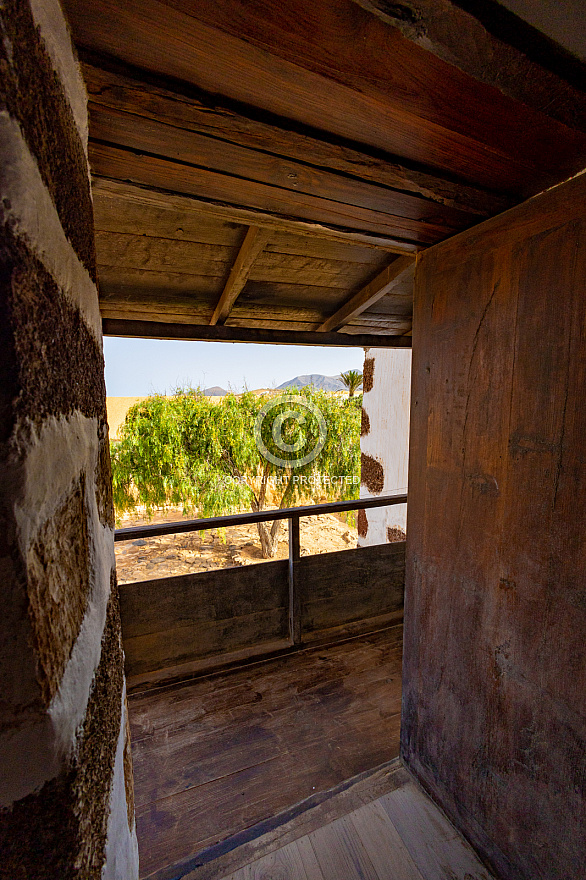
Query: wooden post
point(294, 593)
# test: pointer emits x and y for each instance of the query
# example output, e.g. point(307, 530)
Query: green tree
point(241, 451)
point(352, 380)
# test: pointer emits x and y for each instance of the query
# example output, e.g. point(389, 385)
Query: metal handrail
point(154, 530)
point(293, 514)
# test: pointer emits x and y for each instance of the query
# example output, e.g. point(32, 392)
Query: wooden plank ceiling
point(269, 171)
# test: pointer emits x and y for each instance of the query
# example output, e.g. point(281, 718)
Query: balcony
point(180, 626)
point(265, 709)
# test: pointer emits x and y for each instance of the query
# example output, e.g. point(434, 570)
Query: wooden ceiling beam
point(119, 102)
point(311, 65)
point(176, 258)
point(494, 46)
point(222, 333)
point(248, 318)
point(116, 191)
point(254, 242)
point(244, 317)
point(254, 178)
point(371, 293)
point(123, 163)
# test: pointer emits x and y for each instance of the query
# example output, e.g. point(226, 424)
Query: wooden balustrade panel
point(346, 589)
point(172, 621)
point(173, 625)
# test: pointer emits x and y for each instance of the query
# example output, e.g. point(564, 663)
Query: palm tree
point(352, 380)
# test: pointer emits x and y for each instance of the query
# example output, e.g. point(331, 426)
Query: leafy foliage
point(189, 450)
point(352, 380)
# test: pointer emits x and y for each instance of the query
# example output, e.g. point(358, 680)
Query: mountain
point(324, 383)
point(215, 391)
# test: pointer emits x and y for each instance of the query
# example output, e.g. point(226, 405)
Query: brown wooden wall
point(494, 704)
point(177, 620)
point(179, 625)
point(347, 591)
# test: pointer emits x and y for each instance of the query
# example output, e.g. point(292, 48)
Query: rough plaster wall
point(65, 770)
point(494, 666)
point(384, 443)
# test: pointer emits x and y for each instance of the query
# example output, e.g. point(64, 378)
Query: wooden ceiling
point(268, 171)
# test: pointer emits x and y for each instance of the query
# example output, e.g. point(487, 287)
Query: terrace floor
point(399, 835)
point(216, 757)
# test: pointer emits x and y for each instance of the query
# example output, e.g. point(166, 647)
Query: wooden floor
point(379, 826)
point(399, 836)
point(221, 754)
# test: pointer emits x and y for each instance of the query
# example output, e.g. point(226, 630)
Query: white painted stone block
point(387, 406)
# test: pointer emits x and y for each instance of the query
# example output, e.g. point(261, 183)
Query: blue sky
point(137, 367)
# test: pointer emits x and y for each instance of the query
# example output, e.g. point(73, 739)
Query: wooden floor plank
point(298, 822)
point(296, 861)
point(341, 853)
point(366, 845)
point(172, 829)
point(435, 846)
point(220, 754)
point(183, 764)
point(388, 853)
point(355, 841)
point(274, 680)
point(310, 862)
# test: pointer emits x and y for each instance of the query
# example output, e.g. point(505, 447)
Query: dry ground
point(145, 559)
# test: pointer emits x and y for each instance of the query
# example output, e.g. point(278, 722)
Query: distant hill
point(215, 391)
point(117, 407)
point(324, 383)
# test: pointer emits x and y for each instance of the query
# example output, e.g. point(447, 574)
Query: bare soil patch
point(150, 558)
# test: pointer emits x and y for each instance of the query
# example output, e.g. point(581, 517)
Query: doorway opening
point(255, 687)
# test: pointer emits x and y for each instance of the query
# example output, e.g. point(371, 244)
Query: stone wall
point(384, 441)
point(66, 804)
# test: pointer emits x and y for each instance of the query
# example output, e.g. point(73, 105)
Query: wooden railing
point(243, 519)
point(162, 618)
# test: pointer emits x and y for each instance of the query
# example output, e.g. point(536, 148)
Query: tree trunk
point(269, 538)
point(269, 535)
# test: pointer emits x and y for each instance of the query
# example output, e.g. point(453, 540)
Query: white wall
point(386, 405)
